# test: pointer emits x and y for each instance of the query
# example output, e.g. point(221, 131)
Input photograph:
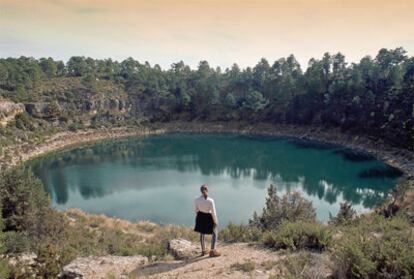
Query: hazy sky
point(219, 31)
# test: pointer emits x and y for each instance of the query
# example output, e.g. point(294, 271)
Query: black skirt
point(204, 223)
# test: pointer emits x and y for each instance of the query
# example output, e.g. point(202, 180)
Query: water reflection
point(324, 172)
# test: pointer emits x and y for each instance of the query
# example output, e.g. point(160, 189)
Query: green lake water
point(157, 177)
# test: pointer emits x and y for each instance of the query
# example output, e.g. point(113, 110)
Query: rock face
point(38, 109)
point(102, 267)
point(8, 110)
point(183, 249)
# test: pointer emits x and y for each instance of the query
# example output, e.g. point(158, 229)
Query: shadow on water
point(354, 155)
point(381, 172)
point(307, 144)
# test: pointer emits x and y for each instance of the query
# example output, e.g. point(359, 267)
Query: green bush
point(240, 233)
point(290, 207)
point(299, 235)
point(4, 268)
point(376, 248)
point(24, 121)
point(23, 199)
point(16, 242)
point(48, 261)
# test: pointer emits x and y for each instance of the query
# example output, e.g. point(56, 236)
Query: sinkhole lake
point(157, 177)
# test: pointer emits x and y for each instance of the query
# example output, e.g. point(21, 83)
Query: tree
point(230, 100)
point(48, 67)
point(255, 101)
point(89, 80)
point(77, 66)
point(4, 75)
point(261, 73)
point(23, 199)
point(60, 68)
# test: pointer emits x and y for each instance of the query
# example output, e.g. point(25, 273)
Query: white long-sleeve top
point(206, 206)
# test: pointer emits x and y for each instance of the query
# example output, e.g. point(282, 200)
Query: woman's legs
point(202, 242)
point(214, 238)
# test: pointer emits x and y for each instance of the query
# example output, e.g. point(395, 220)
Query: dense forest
point(374, 97)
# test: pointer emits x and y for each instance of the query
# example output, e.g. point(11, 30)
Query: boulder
point(183, 249)
point(102, 267)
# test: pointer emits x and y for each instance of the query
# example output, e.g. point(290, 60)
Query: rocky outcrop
point(38, 109)
point(8, 110)
point(102, 267)
point(183, 249)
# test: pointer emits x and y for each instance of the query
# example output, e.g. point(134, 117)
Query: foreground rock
point(183, 249)
point(102, 267)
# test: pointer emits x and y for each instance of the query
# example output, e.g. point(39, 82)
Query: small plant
point(248, 266)
point(290, 207)
point(303, 265)
point(240, 233)
point(299, 235)
point(268, 265)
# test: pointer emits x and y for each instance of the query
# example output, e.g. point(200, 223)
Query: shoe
point(214, 253)
point(205, 252)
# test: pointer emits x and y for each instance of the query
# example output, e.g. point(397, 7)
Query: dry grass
point(247, 266)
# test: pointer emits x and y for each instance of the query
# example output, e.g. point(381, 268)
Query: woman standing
point(206, 220)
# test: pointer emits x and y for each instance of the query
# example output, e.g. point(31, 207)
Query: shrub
point(4, 268)
point(345, 215)
point(16, 242)
point(24, 121)
point(292, 267)
point(73, 127)
point(291, 207)
point(299, 235)
point(48, 261)
point(395, 200)
point(303, 265)
point(376, 248)
point(240, 233)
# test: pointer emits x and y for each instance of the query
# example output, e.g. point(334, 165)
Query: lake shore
point(395, 157)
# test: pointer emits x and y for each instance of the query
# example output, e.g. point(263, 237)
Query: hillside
point(372, 98)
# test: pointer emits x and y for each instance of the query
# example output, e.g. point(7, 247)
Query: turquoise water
point(157, 177)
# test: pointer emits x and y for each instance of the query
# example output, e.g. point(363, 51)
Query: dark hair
point(204, 186)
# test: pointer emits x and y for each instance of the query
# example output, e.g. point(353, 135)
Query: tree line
point(374, 97)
